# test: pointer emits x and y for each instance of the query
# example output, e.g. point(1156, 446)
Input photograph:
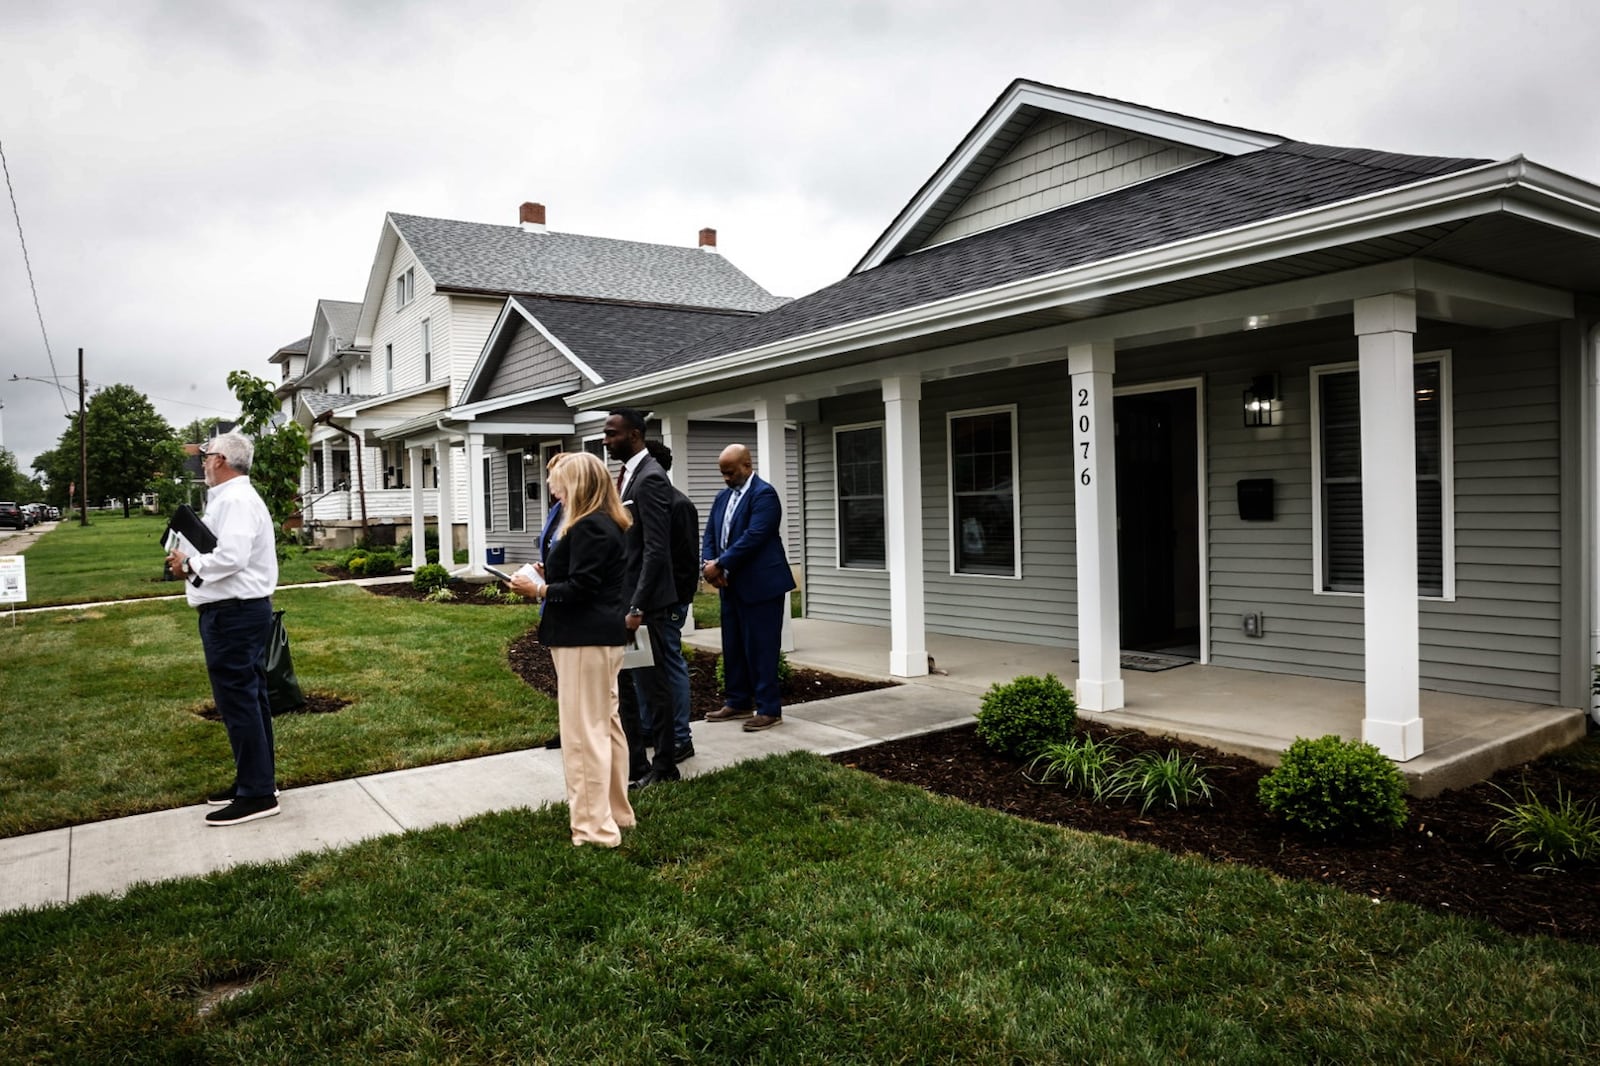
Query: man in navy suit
point(744, 557)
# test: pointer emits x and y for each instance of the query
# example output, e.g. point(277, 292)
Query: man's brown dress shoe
point(727, 714)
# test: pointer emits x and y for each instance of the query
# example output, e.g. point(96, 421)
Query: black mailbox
point(1255, 499)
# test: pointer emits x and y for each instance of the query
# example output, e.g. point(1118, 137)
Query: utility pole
point(83, 451)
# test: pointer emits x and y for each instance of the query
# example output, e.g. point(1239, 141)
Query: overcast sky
point(192, 175)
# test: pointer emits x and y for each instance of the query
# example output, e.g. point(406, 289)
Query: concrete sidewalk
point(63, 865)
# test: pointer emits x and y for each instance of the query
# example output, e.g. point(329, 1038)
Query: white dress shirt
point(630, 468)
point(244, 564)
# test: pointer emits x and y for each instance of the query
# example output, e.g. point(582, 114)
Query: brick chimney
point(531, 217)
point(708, 240)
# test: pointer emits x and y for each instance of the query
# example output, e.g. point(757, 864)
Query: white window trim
point(1447, 478)
point(838, 511)
point(405, 287)
point(1016, 490)
point(427, 350)
point(388, 368)
point(518, 487)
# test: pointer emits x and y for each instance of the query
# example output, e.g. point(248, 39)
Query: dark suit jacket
point(648, 497)
point(753, 557)
point(584, 606)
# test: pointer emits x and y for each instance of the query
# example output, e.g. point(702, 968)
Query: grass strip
point(786, 910)
point(116, 558)
point(101, 704)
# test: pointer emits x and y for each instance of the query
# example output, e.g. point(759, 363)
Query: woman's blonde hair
point(586, 487)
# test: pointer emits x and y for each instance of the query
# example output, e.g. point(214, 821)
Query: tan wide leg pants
point(594, 752)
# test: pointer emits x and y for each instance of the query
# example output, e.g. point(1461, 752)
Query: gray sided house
point(1117, 379)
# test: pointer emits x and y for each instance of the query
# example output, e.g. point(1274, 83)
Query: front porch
point(1247, 712)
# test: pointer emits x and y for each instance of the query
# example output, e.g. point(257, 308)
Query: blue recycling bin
point(496, 555)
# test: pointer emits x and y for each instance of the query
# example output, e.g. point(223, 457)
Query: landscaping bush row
point(1327, 787)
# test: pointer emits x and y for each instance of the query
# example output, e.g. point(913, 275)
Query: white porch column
point(477, 520)
point(1094, 482)
point(444, 463)
point(675, 435)
point(902, 521)
point(773, 460)
point(419, 519)
point(1384, 328)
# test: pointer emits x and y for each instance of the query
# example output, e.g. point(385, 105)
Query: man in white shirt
point(231, 586)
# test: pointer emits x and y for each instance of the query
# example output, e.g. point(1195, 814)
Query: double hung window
point(983, 492)
point(858, 460)
point(1336, 398)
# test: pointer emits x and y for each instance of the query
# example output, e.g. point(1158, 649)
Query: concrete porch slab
point(1244, 712)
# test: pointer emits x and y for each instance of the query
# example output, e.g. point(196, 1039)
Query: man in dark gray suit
point(653, 599)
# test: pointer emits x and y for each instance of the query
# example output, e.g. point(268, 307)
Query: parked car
point(11, 515)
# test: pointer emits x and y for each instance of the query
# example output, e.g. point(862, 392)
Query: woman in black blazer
point(584, 626)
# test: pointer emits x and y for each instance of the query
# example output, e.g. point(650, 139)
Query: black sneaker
point(682, 752)
point(244, 809)
point(227, 796)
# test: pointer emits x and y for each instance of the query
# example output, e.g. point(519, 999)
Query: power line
point(31, 286)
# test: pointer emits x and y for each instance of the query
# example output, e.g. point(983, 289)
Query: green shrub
point(430, 577)
point(430, 542)
point(1172, 780)
point(785, 671)
point(1020, 718)
point(357, 564)
point(432, 555)
point(1334, 787)
point(460, 556)
point(381, 564)
point(442, 594)
point(1082, 764)
point(1553, 837)
point(493, 594)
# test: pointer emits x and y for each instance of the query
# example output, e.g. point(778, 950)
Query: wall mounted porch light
point(1259, 399)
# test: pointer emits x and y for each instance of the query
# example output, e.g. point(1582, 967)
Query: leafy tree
point(130, 444)
point(280, 444)
point(11, 478)
point(59, 466)
point(199, 431)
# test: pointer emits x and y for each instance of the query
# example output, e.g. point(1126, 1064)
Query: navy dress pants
point(234, 636)
point(751, 634)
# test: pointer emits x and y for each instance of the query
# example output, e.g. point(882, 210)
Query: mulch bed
point(530, 661)
point(1440, 860)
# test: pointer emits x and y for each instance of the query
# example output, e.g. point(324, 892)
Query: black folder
point(188, 525)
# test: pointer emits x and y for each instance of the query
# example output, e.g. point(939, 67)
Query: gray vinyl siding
point(1060, 160)
point(530, 362)
point(832, 593)
point(706, 441)
point(1500, 636)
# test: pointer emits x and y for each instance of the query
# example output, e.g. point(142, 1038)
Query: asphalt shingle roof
point(342, 316)
point(484, 258)
point(614, 339)
point(1207, 198)
point(321, 403)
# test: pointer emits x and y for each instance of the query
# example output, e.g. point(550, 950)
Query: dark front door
point(1157, 521)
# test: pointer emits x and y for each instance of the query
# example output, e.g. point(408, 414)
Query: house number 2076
point(1084, 425)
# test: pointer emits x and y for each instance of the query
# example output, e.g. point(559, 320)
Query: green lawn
point(707, 608)
point(110, 728)
point(116, 558)
point(788, 910)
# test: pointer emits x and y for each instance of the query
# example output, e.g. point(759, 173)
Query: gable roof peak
point(1009, 120)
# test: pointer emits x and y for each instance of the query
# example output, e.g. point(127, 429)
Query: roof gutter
point(1542, 194)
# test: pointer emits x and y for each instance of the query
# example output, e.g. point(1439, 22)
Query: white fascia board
point(530, 428)
point(583, 368)
point(368, 405)
point(1177, 129)
point(377, 281)
point(1452, 197)
point(470, 411)
point(500, 325)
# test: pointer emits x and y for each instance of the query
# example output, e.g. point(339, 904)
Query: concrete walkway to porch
point(1245, 712)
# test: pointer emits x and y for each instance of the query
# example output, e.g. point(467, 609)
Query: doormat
point(1150, 662)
